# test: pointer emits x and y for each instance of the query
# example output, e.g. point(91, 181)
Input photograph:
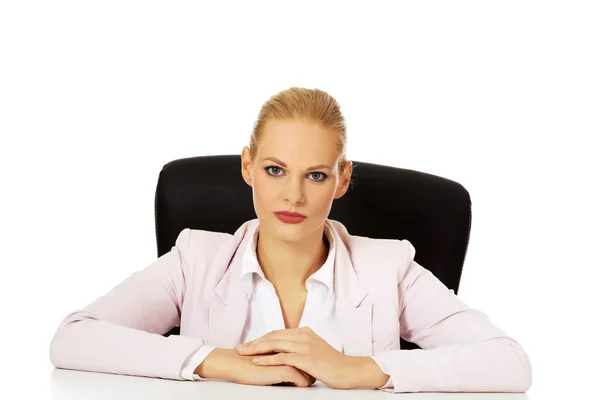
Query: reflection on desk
point(70, 384)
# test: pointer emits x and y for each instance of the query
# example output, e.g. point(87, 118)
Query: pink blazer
point(382, 294)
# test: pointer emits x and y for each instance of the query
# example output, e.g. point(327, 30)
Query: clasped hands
point(303, 349)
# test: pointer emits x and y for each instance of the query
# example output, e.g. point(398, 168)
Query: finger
point(277, 346)
point(268, 346)
point(299, 335)
point(291, 335)
point(293, 375)
point(311, 379)
point(291, 359)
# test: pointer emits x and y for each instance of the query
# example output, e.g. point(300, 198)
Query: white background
point(503, 97)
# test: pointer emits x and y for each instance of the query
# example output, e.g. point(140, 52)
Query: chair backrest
point(432, 212)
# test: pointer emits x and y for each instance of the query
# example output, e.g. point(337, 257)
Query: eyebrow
point(285, 165)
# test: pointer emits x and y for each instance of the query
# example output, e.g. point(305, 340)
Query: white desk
point(68, 384)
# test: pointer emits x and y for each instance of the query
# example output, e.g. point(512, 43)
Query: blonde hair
point(311, 105)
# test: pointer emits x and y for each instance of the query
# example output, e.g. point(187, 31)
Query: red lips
point(290, 214)
point(290, 218)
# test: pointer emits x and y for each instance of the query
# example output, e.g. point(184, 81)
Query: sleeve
point(189, 366)
point(461, 349)
point(122, 331)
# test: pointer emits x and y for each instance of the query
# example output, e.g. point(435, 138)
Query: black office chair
point(432, 212)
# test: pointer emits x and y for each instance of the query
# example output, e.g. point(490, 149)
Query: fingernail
point(240, 347)
point(256, 360)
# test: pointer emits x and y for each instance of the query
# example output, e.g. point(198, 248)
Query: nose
point(294, 190)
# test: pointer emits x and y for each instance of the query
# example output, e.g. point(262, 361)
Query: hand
point(229, 365)
point(285, 375)
point(305, 350)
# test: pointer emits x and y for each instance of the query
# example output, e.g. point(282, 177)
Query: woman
point(309, 300)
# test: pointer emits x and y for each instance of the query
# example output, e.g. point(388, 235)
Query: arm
point(461, 349)
point(121, 332)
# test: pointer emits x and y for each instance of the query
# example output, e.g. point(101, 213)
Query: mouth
point(290, 218)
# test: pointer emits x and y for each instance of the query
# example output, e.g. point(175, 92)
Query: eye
point(319, 173)
point(270, 168)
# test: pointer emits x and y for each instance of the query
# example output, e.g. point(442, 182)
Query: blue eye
point(274, 167)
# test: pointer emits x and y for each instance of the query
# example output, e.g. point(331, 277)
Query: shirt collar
point(250, 265)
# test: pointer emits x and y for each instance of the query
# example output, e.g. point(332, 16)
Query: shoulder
point(200, 246)
point(375, 258)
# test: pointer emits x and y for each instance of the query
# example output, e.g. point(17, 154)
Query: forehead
point(298, 141)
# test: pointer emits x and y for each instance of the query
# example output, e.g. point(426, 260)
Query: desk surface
point(69, 384)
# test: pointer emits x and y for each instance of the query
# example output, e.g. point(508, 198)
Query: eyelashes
point(270, 167)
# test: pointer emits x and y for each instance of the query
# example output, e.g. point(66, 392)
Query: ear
point(246, 166)
point(344, 181)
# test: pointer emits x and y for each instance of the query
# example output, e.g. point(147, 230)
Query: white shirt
point(264, 311)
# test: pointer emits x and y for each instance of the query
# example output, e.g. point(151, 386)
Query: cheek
point(322, 199)
point(263, 190)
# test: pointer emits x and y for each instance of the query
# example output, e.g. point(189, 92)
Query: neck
point(288, 265)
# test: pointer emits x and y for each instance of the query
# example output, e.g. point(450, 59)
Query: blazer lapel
point(229, 302)
point(352, 304)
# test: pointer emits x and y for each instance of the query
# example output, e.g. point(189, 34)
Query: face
point(282, 177)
